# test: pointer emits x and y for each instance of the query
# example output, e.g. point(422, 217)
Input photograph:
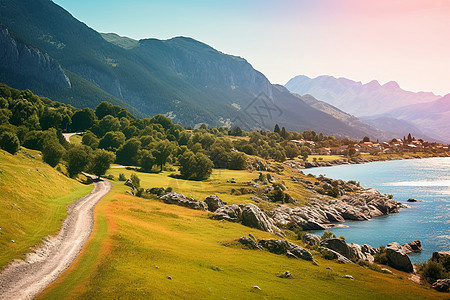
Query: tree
point(112, 141)
point(236, 131)
point(101, 161)
point(83, 119)
point(284, 134)
point(291, 150)
point(128, 153)
point(90, 139)
point(77, 159)
point(366, 139)
point(162, 151)
point(106, 124)
point(146, 160)
point(305, 152)
point(238, 161)
point(104, 109)
point(277, 129)
point(410, 139)
point(195, 166)
point(9, 142)
point(135, 180)
point(52, 153)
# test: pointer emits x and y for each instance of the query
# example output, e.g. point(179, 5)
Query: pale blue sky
point(402, 40)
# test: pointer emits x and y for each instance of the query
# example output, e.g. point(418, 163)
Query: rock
point(110, 176)
point(169, 277)
point(397, 258)
point(337, 245)
point(348, 277)
point(253, 216)
point(181, 200)
point(256, 287)
point(248, 242)
point(13, 241)
point(231, 213)
point(331, 269)
point(286, 274)
point(129, 183)
point(253, 237)
point(339, 257)
point(442, 285)
point(311, 239)
point(284, 247)
point(441, 257)
point(130, 193)
point(412, 247)
point(411, 200)
point(385, 270)
point(214, 203)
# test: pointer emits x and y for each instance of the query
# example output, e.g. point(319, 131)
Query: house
point(324, 151)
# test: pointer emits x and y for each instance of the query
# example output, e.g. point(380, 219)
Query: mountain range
point(45, 49)
point(386, 107)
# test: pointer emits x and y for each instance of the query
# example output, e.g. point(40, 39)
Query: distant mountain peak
point(373, 84)
point(391, 85)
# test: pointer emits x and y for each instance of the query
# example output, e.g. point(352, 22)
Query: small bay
point(428, 220)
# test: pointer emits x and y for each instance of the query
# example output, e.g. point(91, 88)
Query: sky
point(407, 41)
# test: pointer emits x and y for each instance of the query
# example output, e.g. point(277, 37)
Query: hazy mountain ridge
point(356, 98)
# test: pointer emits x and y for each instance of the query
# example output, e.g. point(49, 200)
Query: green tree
point(237, 161)
point(410, 139)
point(90, 139)
point(305, 152)
point(101, 161)
point(277, 129)
point(104, 109)
point(52, 152)
point(146, 160)
point(112, 141)
point(9, 142)
point(108, 123)
point(195, 166)
point(135, 180)
point(366, 139)
point(77, 159)
point(236, 131)
point(83, 119)
point(162, 151)
point(284, 134)
point(291, 150)
point(128, 153)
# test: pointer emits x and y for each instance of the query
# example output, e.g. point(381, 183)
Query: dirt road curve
point(25, 279)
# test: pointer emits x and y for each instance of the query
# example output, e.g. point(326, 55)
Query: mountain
point(356, 98)
point(185, 79)
point(433, 118)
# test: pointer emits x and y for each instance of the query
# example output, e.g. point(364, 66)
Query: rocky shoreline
point(299, 165)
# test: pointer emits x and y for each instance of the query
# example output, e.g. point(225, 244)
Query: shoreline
point(356, 160)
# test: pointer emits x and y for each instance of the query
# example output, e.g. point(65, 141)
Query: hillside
point(33, 203)
point(356, 98)
point(185, 79)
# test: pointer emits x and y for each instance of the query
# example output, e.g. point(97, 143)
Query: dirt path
point(68, 135)
point(25, 279)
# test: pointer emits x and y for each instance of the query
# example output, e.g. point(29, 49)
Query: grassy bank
point(138, 243)
point(33, 201)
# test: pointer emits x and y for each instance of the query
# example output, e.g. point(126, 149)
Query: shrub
point(328, 235)
point(333, 192)
point(390, 196)
point(52, 153)
point(139, 192)
point(169, 189)
point(342, 237)
point(9, 142)
point(158, 191)
point(122, 177)
point(327, 254)
point(433, 271)
point(135, 180)
point(381, 258)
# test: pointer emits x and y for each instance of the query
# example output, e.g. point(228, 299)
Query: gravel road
point(26, 278)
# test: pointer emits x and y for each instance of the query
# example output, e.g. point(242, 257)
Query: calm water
point(422, 179)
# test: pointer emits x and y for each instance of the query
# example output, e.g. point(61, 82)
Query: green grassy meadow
point(137, 243)
point(33, 201)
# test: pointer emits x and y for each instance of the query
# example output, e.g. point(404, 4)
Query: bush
point(169, 190)
point(122, 177)
point(52, 153)
point(433, 271)
point(135, 180)
point(77, 159)
point(328, 235)
point(333, 192)
point(327, 254)
point(157, 191)
point(381, 258)
point(139, 192)
point(9, 142)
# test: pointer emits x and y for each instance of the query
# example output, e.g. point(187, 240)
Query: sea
point(428, 220)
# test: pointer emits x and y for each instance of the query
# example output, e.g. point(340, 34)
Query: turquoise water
point(427, 221)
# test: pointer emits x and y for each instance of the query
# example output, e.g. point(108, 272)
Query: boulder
point(335, 255)
point(337, 245)
point(412, 247)
point(214, 203)
point(286, 274)
point(443, 258)
point(442, 285)
point(411, 200)
point(284, 247)
point(129, 183)
point(253, 216)
point(181, 200)
point(397, 258)
point(311, 239)
point(231, 213)
point(248, 242)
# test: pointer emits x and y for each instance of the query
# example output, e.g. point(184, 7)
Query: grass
point(33, 201)
point(324, 157)
point(137, 243)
